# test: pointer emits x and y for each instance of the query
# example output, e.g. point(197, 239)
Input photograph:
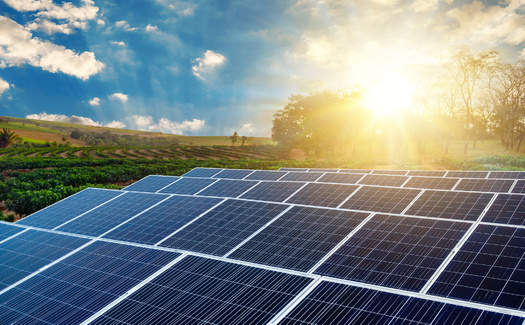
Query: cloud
point(247, 128)
point(72, 119)
point(165, 125)
point(182, 8)
point(522, 54)
point(119, 43)
point(151, 28)
point(4, 85)
point(119, 96)
point(207, 65)
point(18, 46)
point(125, 25)
point(95, 101)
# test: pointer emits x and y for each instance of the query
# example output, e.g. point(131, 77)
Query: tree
point(234, 138)
point(7, 137)
point(243, 140)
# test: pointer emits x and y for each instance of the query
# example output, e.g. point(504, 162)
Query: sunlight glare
point(389, 95)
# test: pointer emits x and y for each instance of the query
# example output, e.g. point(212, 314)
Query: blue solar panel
point(69, 208)
point(228, 188)
point(188, 186)
point(436, 183)
point(340, 178)
point(31, 250)
point(160, 221)
point(272, 191)
point(507, 209)
point(266, 175)
point(507, 174)
point(74, 289)
point(383, 180)
point(299, 238)
point(381, 199)
point(485, 185)
point(233, 173)
point(489, 268)
point(151, 183)
point(519, 187)
point(202, 172)
point(7, 230)
point(389, 172)
point(110, 215)
point(293, 169)
point(356, 171)
point(466, 174)
point(223, 228)
point(301, 176)
point(333, 303)
point(199, 290)
point(437, 173)
point(395, 251)
point(324, 195)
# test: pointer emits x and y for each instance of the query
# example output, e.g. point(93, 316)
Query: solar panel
point(341, 178)
point(394, 251)
point(272, 191)
point(519, 187)
point(324, 170)
point(151, 183)
point(437, 173)
point(383, 180)
point(334, 303)
point(188, 186)
point(77, 287)
point(293, 169)
point(202, 172)
point(466, 174)
point(233, 173)
point(266, 175)
point(29, 251)
point(432, 183)
point(200, 290)
point(110, 215)
point(485, 185)
point(160, 221)
point(299, 238)
point(223, 228)
point(450, 205)
point(380, 199)
point(323, 195)
point(389, 172)
point(228, 188)
point(510, 175)
point(73, 206)
point(7, 230)
point(489, 268)
point(507, 209)
point(356, 171)
point(301, 176)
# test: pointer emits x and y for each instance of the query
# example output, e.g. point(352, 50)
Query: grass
point(28, 127)
point(24, 139)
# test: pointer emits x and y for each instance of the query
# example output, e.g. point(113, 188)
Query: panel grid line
point(285, 173)
point(206, 187)
point(413, 201)
point(12, 236)
point(253, 171)
point(256, 183)
point(512, 186)
point(300, 188)
point(408, 180)
point(167, 185)
point(454, 187)
point(348, 198)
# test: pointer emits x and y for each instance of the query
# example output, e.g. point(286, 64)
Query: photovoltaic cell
point(489, 268)
point(333, 303)
point(233, 173)
point(466, 174)
point(450, 205)
point(223, 228)
point(293, 169)
point(7, 230)
point(200, 290)
point(394, 251)
point(389, 172)
point(202, 172)
point(356, 171)
point(301, 176)
point(436, 173)
point(341, 178)
point(507, 209)
point(323, 170)
point(228, 188)
point(383, 180)
point(272, 191)
point(151, 183)
point(436, 183)
point(188, 186)
point(510, 175)
point(485, 185)
point(69, 208)
point(266, 175)
point(324, 195)
point(110, 215)
point(519, 187)
point(157, 223)
point(31, 250)
point(74, 289)
point(380, 199)
point(299, 238)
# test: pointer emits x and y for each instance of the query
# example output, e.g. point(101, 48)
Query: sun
point(389, 95)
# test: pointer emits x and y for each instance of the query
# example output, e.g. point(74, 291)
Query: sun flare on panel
point(390, 95)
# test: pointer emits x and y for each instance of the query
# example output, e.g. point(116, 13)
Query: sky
point(214, 67)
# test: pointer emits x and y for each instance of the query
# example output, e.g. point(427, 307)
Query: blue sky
point(219, 66)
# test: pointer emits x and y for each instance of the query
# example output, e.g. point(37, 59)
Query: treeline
point(108, 139)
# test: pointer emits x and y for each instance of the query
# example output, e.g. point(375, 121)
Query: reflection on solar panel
point(468, 174)
point(151, 183)
point(69, 208)
point(160, 221)
point(389, 172)
point(323, 195)
point(75, 288)
point(272, 191)
point(202, 172)
point(507, 209)
point(233, 173)
point(6, 231)
point(383, 180)
point(438, 173)
point(432, 183)
point(301, 176)
point(485, 185)
point(489, 268)
point(380, 199)
point(510, 175)
point(188, 186)
point(265, 175)
point(395, 251)
point(110, 215)
point(519, 187)
point(450, 205)
point(223, 228)
point(333, 303)
point(198, 290)
point(31, 250)
point(341, 178)
point(228, 188)
point(299, 238)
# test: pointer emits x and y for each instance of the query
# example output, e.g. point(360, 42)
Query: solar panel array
point(308, 246)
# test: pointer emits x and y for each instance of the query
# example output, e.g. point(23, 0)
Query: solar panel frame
point(381, 199)
point(485, 185)
point(273, 191)
point(151, 183)
point(323, 195)
point(507, 209)
point(383, 180)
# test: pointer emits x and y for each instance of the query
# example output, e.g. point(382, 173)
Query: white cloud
point(246, 128)
point(95, 101)
point(206, 66)
point(101, 22)
point(72, 119)
point(142, 121)
point(125, 25)
point(119, 96)
point(4, 85)
point(165, 125)
point(18, 46)
point(151, 28)
point(425, 5)
point(182, 8)
point(119, 43)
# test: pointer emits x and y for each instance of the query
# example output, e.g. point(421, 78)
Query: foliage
point(7, 136)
